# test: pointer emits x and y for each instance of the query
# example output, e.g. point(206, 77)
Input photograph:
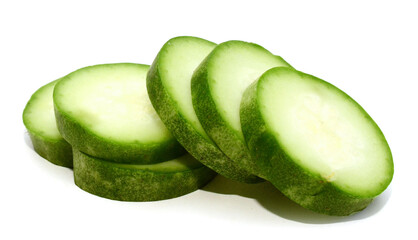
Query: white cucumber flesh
point(315, 143)
point(105, 111)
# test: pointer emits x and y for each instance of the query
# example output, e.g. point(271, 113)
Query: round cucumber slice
point(217, 88)
point(39, 120)
point(104, 111)
point(168, 84)
point(315, 143)
point(130, 182)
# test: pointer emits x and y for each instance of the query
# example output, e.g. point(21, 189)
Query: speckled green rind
point(255, 132)
point(125, 182)
point(58, 152)
point(54, 149)
point(227, 138)
point(305, 188)
point(199, 146)
point(82, 138)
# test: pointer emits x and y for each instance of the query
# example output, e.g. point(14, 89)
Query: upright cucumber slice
point(168, 84)
point(129, 182)
point(315, 143)
point(217, 88)
point(39, 120)
point(104, 111)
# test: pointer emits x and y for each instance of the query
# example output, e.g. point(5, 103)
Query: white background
point(367, 48)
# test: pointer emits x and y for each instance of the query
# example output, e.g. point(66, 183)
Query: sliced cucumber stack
point(168, 84)
point(239, 111)
point(39, 120)
point(217, 87)
point(131, 182)
point(315, 143)
point(104, 111)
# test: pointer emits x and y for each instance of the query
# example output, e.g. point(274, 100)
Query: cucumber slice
point(129, 182)
point(39, 120)
point(168, 84)
point(217, 88)
point(315, 143)
point(104, 111)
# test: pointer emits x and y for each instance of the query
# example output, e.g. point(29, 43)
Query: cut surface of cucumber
point(130, 182)
point(104, 111)
point(39, 120)
point(168, 84)
point(217, 87)
point(316, 144)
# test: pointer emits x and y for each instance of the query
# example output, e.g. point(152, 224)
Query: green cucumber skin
point(88, 142)
point(58, 152)
point(54, 149)
point(228, 139)
point(284, 61)
point(200, 147)
point(250, 116)
point(107, 180)
point(213, 123)
point(134, 152)
point(301, 186)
